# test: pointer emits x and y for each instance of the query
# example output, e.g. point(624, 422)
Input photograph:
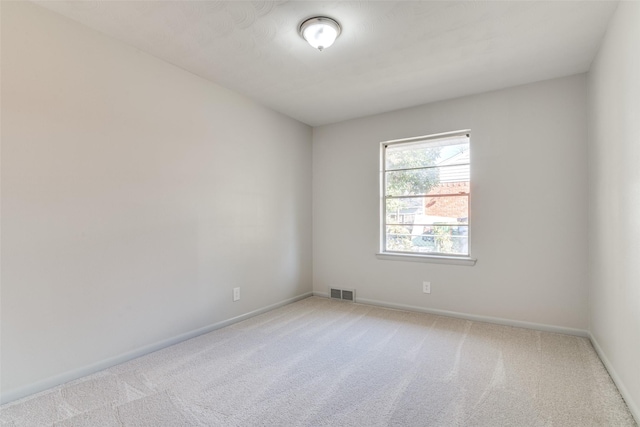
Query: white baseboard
point(474, 317)
point(633, 407)
point(46, 384)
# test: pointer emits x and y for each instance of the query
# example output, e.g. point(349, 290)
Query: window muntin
point(425, 195)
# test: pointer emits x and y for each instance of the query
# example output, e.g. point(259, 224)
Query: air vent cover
point(343, 294)
point(347, 295)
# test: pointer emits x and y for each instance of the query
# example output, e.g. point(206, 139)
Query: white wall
point(614, 201)
point(135, 196)
point(528, 207)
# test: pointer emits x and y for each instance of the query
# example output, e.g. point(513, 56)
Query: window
point(425, 185)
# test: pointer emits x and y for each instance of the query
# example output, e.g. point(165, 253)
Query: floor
point(319, 362)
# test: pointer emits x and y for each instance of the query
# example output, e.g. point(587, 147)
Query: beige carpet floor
point(319, 362)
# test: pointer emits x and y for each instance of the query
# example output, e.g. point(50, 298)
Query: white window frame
point(415, 256)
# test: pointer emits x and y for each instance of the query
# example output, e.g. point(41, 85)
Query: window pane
point(440, 239)
point(427, 153)
point(404, 211)
point(411, 182)
point(399, 238)
point(440, 210)
point(447, 209)
point(425, 181)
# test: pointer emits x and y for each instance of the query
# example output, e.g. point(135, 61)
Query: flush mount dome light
point(320, 31)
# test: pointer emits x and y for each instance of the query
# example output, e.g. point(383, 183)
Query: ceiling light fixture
point(320, 31)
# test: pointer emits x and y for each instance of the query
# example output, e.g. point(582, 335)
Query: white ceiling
point(391, 54)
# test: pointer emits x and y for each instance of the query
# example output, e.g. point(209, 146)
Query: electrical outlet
point(236, 294)
point(426, 287)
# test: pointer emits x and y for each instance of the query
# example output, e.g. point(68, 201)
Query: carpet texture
point(319, 362)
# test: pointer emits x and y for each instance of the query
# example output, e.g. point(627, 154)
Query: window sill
point(437, 259)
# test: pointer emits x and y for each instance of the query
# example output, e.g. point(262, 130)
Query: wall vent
point(343, 294)
point(348, 295)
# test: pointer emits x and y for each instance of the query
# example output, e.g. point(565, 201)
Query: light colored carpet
point(319, 362)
